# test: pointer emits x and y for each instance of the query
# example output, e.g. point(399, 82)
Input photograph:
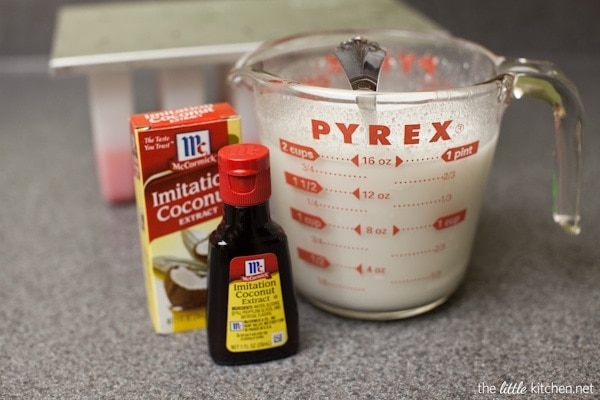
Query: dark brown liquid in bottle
point(247, 231)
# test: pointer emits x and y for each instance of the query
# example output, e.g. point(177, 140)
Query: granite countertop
point(73, 317)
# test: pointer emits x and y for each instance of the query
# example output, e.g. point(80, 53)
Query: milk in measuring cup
point(374, 227)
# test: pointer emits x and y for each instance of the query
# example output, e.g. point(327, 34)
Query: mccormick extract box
point(178, 204)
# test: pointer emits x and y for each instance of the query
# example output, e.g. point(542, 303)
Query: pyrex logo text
point(381, 134)
point(255, 267)
point(191, 145)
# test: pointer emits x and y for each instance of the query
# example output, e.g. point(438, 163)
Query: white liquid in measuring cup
point(380, 222)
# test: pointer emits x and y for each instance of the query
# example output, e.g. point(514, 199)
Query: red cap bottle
point(244, 174)
point(247, 250)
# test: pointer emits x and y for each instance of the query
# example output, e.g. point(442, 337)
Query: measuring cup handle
point(542, 80)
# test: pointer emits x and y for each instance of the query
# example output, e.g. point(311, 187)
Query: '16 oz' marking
point(370, 160)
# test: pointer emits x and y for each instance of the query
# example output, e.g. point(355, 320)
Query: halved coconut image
point(196, 242)
point(162, 265)
point(185, 287)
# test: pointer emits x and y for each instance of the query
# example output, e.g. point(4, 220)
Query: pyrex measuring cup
point(380, 191)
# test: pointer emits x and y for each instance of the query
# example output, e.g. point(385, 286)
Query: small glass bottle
point(251, 312)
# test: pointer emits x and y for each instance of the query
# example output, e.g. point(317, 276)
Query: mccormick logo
point(255, 269)
point(236, 326)
point(192, 145)
point(193, 150)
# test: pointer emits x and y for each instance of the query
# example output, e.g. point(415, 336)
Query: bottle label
point(255, 315)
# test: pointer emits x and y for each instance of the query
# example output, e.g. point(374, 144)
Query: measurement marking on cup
point(446, 176)
point(328, 283)
point(344, 266)
point(359, 160)
point(456, 153)
point(411, 181)
point(370, 270)
point(308, 185)
point(450, 220)
point(360, 268)
point(435, 249)
point(381, 231)
point(321, 241)
point(442, 199)
point(334, 158)
point(395, 161)
point(331, 173)
point(376, 230)
point(320, 261)
point(312, 258)
point(413, 228)
point(416, 160)
point(298, 150)
point(337, 191)
point(318, 203)
point(433, 275)
point(349, 228)
point(314, 221)
point(370, 194)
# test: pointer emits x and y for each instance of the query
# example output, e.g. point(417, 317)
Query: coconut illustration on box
point(185, 279)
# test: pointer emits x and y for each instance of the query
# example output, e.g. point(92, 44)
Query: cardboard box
point(179, 205)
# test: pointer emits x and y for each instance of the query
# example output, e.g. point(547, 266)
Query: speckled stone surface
point(73, 318)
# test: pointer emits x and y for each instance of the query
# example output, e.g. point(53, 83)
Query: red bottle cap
point(244, 174)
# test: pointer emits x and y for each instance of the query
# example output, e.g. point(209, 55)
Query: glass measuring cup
point(380, 191)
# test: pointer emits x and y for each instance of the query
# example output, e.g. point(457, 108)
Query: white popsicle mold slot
point(111, 104)
point(181, 87)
